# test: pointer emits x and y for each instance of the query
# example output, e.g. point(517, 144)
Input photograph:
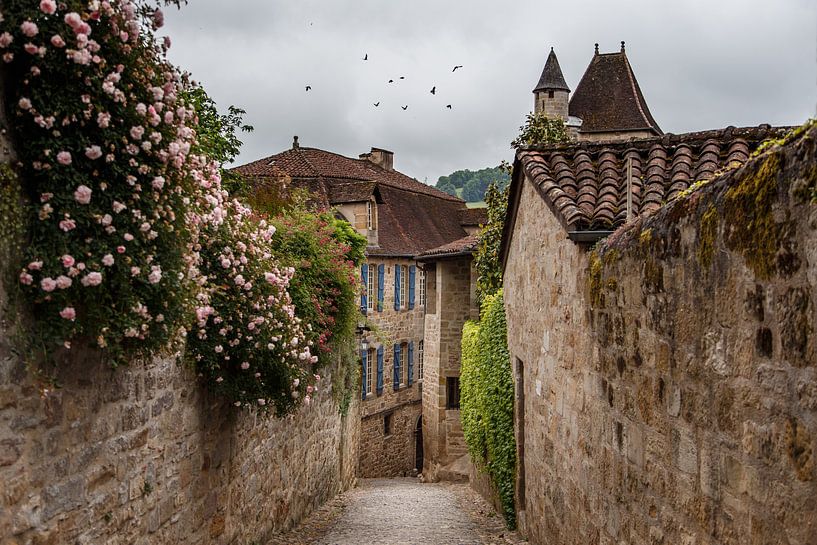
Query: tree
point(541, 129)
point(486, 261)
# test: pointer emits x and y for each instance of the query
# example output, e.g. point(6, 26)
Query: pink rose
point(24, 104)
point(68, 313)
point(262, 402)
point(137, 132)
point(128, 237)
point(67, 225)
point(26, 278)
point(108, 260)
point(120, 249)
point(158, 19)
point(245, 365)
point(6, 39)
point(31, 49)
point(63, 282)
point(57, 41)
point(49, 7)
point(73, 20)
point(35, 265)
point(64, 158)
point(29, 29)
point(155, 276)
point(92, 279)
point(83, 194)
point(67, 261)
point(93, 152)
point(158, 182)
point(48, 284)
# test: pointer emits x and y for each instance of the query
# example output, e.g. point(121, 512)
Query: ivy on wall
point(486, 402)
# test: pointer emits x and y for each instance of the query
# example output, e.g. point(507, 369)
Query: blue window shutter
point(411, 363)
point(380, 370)
point(381, 284)
point(412, 276)
point(363, 358)
point(397, 287)
point(396, 367)
point(364, 276)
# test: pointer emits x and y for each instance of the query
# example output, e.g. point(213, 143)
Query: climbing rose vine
point(132, 243)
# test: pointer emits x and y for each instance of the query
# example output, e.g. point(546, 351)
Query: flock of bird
point(377, 104)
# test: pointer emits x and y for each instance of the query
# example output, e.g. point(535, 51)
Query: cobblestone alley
point(403, 511)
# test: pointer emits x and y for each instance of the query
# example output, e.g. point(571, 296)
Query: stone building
point(665, 382)
point(607, 104)
point(402, 218)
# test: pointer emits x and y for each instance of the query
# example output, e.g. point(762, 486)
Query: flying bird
point(405, 107)
point(308, 87)
point(376, 104)
point(391, 81)
point(434, 90)
point(455, 68)
point(402, 77)
point(448, 106)
point(366, 57)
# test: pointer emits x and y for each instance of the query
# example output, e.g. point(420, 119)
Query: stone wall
point(392, 455)
point(669, 386)
point(454, 293)
point(141, 454)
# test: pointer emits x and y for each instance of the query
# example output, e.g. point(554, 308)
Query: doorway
point(418, 445)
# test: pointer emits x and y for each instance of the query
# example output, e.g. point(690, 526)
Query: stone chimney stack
point(295, 144)
point(380, 157)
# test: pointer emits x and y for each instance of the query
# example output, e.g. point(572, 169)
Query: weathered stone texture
point(142, 454)
point(669, 398)
point(391, 456)
point(453, 291)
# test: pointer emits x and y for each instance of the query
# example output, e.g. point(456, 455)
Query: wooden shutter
point(364, 300)
point(412, 276)
point(397, 287)
point(363, 357)
point(410, 363)
point(380, 370)
point(396, 366)
point(381, 284)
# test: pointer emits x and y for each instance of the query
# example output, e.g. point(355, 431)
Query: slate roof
point(412, 216)
point(585, 183)
point(608, 97)
point(463, 246)
point(551, 77)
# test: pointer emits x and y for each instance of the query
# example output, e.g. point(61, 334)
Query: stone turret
point(551, 95)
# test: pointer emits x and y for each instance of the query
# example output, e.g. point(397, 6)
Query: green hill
point(470, 185)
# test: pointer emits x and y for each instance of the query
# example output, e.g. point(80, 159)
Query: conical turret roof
point(552, 77)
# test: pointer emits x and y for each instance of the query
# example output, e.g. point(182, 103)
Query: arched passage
point(418, 444)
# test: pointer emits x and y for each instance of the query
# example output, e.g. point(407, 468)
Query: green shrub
point(486, 403)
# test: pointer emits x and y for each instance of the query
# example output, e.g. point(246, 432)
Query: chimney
point(380, 157)
point(295, 144)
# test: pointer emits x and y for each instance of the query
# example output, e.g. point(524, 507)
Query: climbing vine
point(486, 402)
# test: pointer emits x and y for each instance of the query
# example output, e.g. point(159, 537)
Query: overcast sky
point(701, 64)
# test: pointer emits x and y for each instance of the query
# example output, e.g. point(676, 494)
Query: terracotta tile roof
point(465, 245)
point(585, 184)
point(317, 163)
point(340, 193)
point(473, 217)
point(551, 77)
point(608, 97)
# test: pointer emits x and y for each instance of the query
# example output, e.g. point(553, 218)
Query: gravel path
point(403, 511)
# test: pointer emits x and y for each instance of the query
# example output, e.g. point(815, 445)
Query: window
point(452, 390)
point(370, 356)
point(403, 363)
point(422, 289)
point(370, 215)
point(387, 424)
point(550, 93)
point(403, 284)
point(420, 360)
point(370, 293)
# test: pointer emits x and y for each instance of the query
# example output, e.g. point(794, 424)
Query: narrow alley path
point(403, 511)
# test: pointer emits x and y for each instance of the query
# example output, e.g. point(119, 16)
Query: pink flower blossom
point(6, 39)
point(219, 349)
point(64, 158)
point(57, 41)
point(92, 279)
point(120, 249)
point(128, 237)
point(24, 104)
point(67, 261)
point(220, 379)
point(93, 152)
point(103, 120)
point(158, 182)
point(29, 29)
point(245, 365)
point(107, 260)
point(262, 402)
point(35, 265)
point(118, 206)
point(26, 278)
point(64, 282)
point(137, 132)
point(48, 284)
point(158, 18)
point(68, 313)
point(83, 194)
point(73, 20)
point(49, 7)
point(68, 224)
point(31, 49)
point(135, 271)
point(155, 276)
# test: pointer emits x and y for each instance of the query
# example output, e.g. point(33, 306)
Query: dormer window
point(371, 220)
